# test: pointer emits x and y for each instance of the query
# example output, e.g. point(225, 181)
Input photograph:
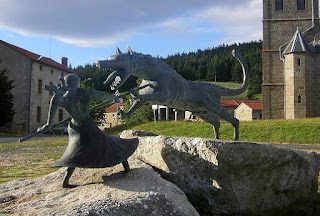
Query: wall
point(278, 28)
point(243, 113)
point(302, 82)
point(47, 75)
point(312, 88)
point(19, 70)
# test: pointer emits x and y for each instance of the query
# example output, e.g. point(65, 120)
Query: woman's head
point(72, 81)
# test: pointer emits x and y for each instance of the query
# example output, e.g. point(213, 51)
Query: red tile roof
point(236, 103)
point(38, 58)
point(113, 108)
point(254, 106)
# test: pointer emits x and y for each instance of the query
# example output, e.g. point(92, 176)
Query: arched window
point(278, 5)
point(301, 4)
point(299, 62)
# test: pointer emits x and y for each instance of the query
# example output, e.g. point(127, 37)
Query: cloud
point(233, 24)
point(100, 23)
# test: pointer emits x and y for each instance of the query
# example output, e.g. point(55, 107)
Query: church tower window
point(299, 62)
point(301, 4)
point(278, 5)
point(299, 99)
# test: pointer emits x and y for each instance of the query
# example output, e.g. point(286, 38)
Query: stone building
point(290, 65)
point(111, 117)
point(248, 111)
point(30, 73)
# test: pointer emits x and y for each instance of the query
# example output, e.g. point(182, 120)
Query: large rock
point(233, 177)
point(100, 192)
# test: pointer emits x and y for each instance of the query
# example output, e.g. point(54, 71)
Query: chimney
point(64, 61)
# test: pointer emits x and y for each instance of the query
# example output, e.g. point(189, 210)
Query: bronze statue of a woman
point(88, 146)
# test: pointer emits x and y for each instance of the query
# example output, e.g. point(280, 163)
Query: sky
point(89, 30)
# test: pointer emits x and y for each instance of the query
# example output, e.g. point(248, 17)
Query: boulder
point(232, 177)
point(105, 191)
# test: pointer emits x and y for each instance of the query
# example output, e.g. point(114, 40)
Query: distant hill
point(217, 64)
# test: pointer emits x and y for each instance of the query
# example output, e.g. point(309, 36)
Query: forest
point(217, 64)
point(210, 65)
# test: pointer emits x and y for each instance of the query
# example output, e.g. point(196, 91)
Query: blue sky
point(86, 31)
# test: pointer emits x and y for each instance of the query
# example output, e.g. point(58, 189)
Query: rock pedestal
point(105, 191)
point(232, 177)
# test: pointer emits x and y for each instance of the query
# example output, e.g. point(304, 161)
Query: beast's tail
point(245, 82)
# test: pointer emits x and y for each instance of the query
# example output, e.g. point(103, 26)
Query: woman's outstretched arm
point(54, 103)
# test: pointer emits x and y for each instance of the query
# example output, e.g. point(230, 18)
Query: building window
point(38, 114)
point(39, 86)
point(299, 62)
point(60, 114)
point(51, 71)
point(299, 99)
point(40, 67)
point(301, 4)
point(51, 92)
point(278, 5)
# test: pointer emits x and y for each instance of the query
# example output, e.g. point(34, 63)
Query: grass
point(302, 131)
point(232, 85)
point(33, 158)
point(29, 159)
point(12, 134)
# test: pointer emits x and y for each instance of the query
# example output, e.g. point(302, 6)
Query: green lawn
point(232, 85)
point(29, 159)
point(302, 131)
point(33, 158)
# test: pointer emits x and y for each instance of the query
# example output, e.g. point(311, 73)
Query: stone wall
point(312, 86)
point(48, 75)
point(19, 70)
point(26, 75)
point(278, 28)
point(243, 113)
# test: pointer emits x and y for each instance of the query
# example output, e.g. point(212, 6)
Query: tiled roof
point(236, 103)
point(38, 58)
point(113, 108)
point(254, 106)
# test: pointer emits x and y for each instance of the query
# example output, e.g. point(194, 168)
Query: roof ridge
point(36, 57)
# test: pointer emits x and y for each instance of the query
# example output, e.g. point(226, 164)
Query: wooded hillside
point(217, 64)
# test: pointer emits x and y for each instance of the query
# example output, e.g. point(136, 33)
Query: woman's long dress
point(89, 147)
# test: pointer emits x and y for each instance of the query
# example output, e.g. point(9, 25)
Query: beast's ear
point(118, 51)
point(129, 50)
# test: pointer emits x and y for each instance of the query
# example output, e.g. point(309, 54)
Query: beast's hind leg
point(223, 113)
point(213, 120)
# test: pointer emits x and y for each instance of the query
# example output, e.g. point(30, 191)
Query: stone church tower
point(290, 59)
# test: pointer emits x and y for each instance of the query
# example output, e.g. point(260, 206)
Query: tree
point(218, 64)
point(143, 114)
point(6, 97)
